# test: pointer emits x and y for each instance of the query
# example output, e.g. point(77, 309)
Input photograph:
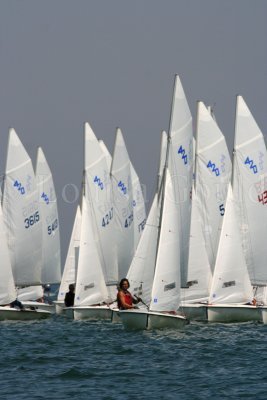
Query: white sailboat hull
point(116, 318)
point(134, 319)
point(233, 313)
point(161, 321)
point(40, 306)
point(13, 314)
point(94, 313)
point(59, 306)
point(196, 312)
point(142, 320)
point(264, 315)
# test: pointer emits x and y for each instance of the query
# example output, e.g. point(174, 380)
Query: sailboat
point(158, 252)
point(96, 237)
point(250, 188)
point(212, 176)
point(98, 193)
point(22, 219)
point(231, 292)
point(71, 263)
point(91, 293)
point(51, 265)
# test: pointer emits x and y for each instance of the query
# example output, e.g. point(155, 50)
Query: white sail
point(90, 284)
point(199, 271)
point(106, 152)
point(250, 188)
point(141, 271)
point(99, 195)
point(70, 268)
point(166, 284)
point(213, 173)
point(123, 204)
point(31, 293)
point(51, 265)
point(162, 159)
point(139, 209)
point(7, 287)
point(231, 283)
point(264, 296)
point(22, 215)
point(180, 164)
point(194, 162)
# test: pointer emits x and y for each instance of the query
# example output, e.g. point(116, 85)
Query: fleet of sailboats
point(199, 255)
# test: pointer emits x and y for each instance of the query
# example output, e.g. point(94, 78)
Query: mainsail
point(250, 189)
point(180, 165)
point(51, 266)
point(22, 215)
point(213, 173)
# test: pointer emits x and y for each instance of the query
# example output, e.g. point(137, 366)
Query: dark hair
point(124, 280)
point(71, 286)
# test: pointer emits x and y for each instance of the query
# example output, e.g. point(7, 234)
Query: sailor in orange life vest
point(124, 298)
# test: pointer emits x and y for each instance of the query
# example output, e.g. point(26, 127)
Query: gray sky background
point(112, 63)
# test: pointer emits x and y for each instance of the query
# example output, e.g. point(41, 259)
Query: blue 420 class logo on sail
point(19, 186)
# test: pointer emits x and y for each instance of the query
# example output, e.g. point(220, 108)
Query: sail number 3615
point(31, 220)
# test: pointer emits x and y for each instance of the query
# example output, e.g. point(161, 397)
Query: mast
point(196, 147)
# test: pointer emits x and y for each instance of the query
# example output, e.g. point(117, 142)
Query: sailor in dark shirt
point(69, 297)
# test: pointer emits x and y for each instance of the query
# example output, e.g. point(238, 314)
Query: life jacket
point(127, 298)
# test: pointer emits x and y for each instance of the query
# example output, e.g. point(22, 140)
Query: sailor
point(17, 304)
point(69, 297)
point(124, 298)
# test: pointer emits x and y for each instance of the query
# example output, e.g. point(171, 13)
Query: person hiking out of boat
point(124, 298)
point(69, 297)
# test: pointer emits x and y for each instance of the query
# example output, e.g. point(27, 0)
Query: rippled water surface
point(61, 359)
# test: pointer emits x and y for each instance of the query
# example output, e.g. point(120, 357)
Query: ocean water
point(63, 359)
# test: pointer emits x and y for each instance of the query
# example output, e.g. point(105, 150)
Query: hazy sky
point(112, 63)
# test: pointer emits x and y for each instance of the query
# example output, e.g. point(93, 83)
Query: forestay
point(230, 284)
point(22, 215)
point(250, 188)
point(51, 265)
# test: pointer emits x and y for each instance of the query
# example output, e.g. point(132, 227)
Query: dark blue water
point(61, 359)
